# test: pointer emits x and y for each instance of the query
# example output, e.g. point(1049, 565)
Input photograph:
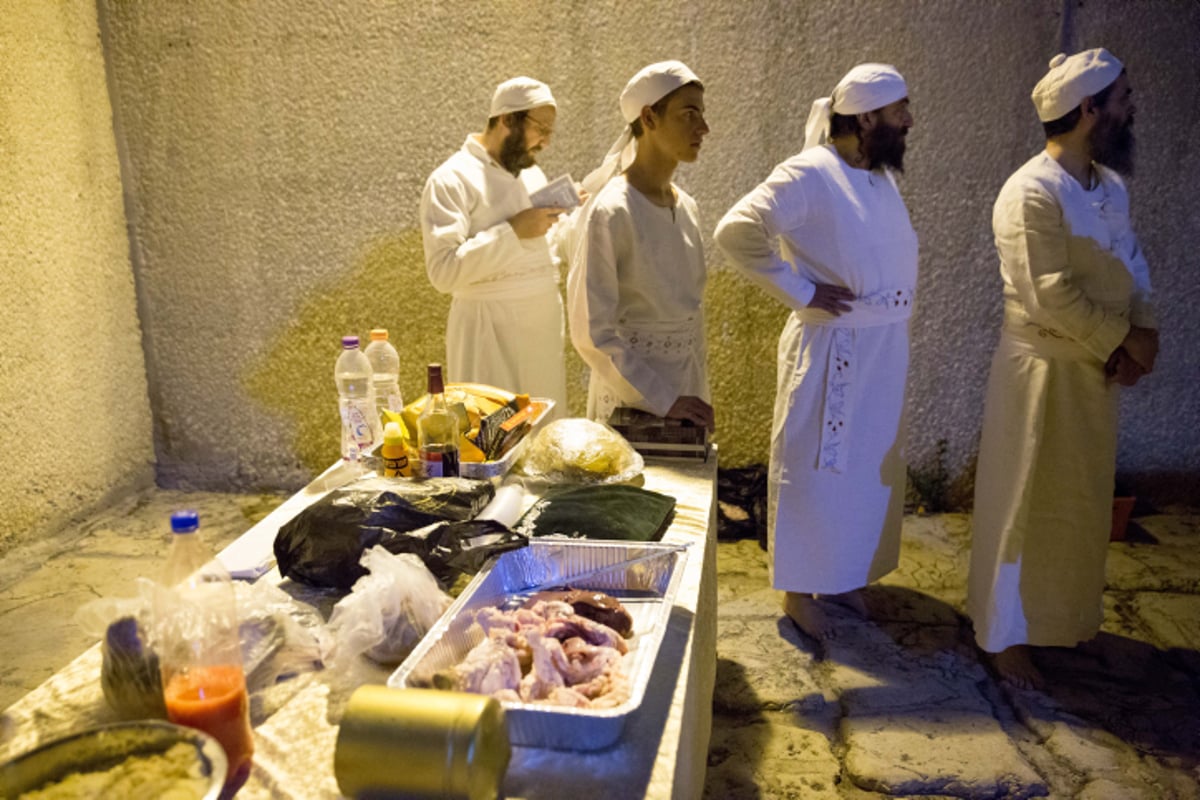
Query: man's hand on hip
point(534, 222)
point(834, 299)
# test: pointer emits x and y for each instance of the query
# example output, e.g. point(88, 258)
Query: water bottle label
point(358, 425)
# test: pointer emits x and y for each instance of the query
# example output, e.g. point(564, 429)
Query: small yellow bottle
point(394, 453)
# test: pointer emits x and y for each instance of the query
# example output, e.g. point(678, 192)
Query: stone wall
point(276, 152)
point(74, 413)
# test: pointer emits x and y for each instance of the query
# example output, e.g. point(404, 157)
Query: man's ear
point(1088, 106)
point(648, 118)
point(866, 120)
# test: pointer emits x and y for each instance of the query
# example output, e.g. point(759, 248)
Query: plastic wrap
point(580, 451)
point(389, 609)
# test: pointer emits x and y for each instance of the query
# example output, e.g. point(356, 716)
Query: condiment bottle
point(394, 452)
point(437, 431)
point(200, 656)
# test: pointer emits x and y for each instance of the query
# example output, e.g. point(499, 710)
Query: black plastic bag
point(742, 503)
point(323, 544)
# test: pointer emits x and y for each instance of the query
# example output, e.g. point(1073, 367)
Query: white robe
point(1074, 278)
point(837, 474)
point(634, 291)
point(505, 326)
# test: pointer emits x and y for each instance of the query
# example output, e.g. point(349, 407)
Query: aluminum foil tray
point(643, 576)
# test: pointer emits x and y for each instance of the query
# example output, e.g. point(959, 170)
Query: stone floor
point(901, 705)
point(898, 706)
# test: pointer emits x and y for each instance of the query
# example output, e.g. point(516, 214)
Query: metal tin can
point(421, 743)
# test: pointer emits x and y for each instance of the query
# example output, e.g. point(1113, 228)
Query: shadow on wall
point(385, 288)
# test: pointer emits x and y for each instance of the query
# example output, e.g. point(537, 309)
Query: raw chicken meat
point(545, 653)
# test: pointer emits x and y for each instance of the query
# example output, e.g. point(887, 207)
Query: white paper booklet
point(560, 193)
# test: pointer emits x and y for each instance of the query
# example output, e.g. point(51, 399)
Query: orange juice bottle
point(200, 657)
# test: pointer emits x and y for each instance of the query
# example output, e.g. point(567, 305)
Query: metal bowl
point(102, 747)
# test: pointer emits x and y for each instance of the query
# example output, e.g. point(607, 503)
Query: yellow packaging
point(394, 452)
point(421, 743)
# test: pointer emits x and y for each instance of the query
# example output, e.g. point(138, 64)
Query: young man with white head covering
point(488, 248)
point(1077, 319)
point(637, 269)
point(828, 235)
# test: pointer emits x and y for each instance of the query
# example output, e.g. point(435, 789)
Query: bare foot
point(805, 610)
point(1015, 665)
point(852, 600)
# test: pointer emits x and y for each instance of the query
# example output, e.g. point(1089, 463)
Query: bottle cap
point(436, 386)
point(349, 342)
point(185, 521)
point(393, 434)
point(379, 335)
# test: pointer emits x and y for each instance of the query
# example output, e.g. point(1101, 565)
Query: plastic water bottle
point(385, 367)
point(361, 429)
point(200, 656)
point(188, 551)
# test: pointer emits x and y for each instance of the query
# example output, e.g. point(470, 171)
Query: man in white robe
point(637, 271)
point(488, 248)
point(828, 235)
point(1077, 320)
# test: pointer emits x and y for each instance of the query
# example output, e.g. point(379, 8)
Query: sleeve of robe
point(593, 293)
point(749, 233)
point(454, 258)
point(1031, 239)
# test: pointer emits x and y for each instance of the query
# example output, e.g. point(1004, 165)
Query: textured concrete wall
point(74, 415)
point(277, 151)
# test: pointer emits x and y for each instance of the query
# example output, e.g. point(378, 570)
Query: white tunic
point(837, 473)
point(1074, 277)
point(633, 295)
point(505, 326)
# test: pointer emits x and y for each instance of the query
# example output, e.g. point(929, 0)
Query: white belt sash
point(669, 340)
point(510, 288)
point(885, 307)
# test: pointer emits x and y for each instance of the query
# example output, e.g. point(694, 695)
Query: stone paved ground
point(901, 705)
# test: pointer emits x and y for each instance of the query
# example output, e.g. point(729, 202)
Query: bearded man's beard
point(884, 146)
point(514, 156)
point(1112, 144)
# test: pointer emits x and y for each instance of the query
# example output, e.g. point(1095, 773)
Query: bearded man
point(488, 248)
point(828, 235)
point(1077, 321)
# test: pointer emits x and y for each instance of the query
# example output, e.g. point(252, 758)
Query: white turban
point(520, 94)
point(867, 87)
point(1072, 78)
point(646, 88)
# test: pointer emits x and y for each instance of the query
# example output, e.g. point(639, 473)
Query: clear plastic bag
point(129, 672)
point(278, 637)
point(580, 451)
point(389, 609)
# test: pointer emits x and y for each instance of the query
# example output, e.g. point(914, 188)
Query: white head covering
point(1072, 78)
point(520, 94)
point(867, 87)
point(646, 88)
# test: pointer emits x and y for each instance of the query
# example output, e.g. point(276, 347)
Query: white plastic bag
point(389, 609)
